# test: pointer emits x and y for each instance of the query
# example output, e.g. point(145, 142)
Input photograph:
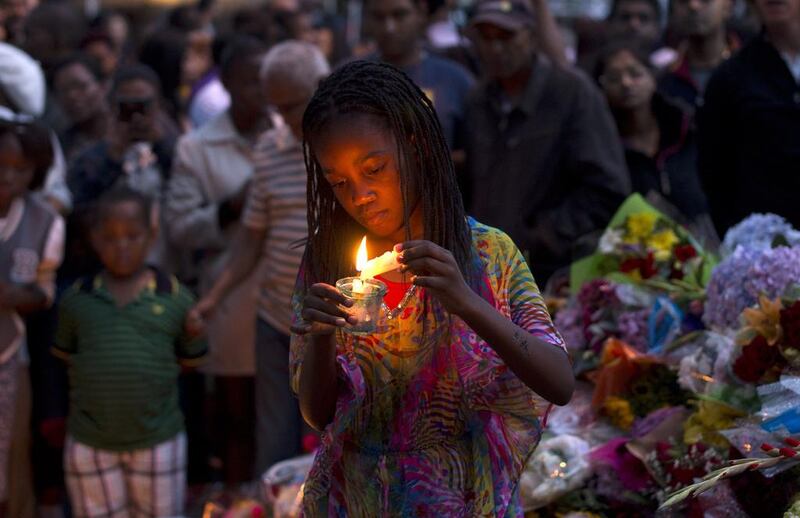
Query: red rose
point(790, 322)
point(648, 267)
point(685, 252)
point(676, 273)
point(630, 265)
point(755, 360)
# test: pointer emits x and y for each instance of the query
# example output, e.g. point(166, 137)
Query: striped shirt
point(276, 205)
point(124, 362)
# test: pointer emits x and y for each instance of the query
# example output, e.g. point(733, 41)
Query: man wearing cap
point(544, 161)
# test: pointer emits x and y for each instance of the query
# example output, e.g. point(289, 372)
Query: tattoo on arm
point(520, 338)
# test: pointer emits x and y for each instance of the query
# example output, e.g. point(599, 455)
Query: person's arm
point(192, 220)
point(313, 358)
point(541, 365)
point(52, 255)
point(55, 188)
point(24, 299)
point(66, 339)
point(548, 34)
point(245, 250)
point(318, 382)
point(594, 162)
point(190, 347)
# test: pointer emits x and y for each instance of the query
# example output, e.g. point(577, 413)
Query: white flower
point(610, 241)
point(558, 467)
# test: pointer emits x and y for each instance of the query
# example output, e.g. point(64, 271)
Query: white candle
point(381, 264)
point(358, 286)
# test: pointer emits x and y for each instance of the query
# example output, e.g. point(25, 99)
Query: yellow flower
point(765, 320)
point(662, 242)
point(619, 412)
point(710, 418)
point(640, 226)
point(636, 275)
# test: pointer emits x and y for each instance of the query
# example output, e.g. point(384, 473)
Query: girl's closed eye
point(373, 170)
point(336, 184)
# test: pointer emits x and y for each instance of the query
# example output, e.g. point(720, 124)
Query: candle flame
point(361, 256)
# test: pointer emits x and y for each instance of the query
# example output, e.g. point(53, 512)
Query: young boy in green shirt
point(124, 334)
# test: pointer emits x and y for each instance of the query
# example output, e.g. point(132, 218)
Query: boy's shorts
point(112, 484)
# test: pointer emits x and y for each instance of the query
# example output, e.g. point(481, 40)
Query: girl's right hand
point(322, 311)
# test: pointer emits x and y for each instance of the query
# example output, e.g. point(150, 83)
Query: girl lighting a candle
point(436, 414)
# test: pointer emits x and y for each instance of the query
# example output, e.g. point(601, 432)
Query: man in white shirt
point(212, 169)
point(274, 220)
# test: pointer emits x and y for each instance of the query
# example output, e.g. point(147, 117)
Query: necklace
point(391, 314)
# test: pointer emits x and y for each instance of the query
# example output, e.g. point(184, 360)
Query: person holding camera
point(137, 152)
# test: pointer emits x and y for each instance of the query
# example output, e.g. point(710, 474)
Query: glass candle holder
point(367, 303)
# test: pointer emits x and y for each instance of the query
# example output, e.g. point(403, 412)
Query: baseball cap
point(506, 14)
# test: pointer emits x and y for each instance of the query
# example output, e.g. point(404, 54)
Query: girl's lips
point(374, 217)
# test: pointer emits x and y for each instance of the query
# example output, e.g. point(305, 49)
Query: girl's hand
point(195, 324)
point(322, 313)
point(436, 270)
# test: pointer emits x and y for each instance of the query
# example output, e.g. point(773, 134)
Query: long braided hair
point(384, 92)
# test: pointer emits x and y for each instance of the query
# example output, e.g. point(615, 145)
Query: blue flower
point(759, 232)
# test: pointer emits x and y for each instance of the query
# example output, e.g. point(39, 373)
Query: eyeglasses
point(615, 77)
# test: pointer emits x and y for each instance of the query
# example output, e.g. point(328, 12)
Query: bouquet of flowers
point(769, 340)
point(630, 385)
point(687, 369)
point(641, 245)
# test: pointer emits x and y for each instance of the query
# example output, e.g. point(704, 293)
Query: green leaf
point(779, 240)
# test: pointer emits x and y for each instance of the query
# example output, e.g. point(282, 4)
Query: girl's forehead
point(11, 150)
point(8, 140)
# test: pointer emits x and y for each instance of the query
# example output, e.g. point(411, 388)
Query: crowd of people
point(157, 186)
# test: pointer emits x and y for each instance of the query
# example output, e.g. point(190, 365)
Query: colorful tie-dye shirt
point(429, 420)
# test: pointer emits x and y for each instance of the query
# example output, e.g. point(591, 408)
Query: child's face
point(16, 172)
point(360, 162)
point(122, 239)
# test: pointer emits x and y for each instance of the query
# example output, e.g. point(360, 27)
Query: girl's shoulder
point(491, 243)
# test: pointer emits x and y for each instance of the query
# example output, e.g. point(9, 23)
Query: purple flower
point(568, 323)
point(737, 282)
point(632, 327)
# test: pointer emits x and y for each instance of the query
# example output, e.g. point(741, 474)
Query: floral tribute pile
point(688, 361)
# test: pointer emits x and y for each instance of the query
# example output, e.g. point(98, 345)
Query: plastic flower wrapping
point(643, 246)
point(689, 375)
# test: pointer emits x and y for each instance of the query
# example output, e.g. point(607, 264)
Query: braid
point(424, 162)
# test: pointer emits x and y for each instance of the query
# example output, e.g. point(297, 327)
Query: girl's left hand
point(436, 270)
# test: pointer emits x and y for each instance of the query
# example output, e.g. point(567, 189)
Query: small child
point(31, 247)
point(124, 333)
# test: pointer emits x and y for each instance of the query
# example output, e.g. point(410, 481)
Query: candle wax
point(381, 264)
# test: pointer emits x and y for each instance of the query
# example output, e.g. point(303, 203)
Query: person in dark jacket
point(749, 126)
point(658, 137)
point(544, 162)
point(703, 27)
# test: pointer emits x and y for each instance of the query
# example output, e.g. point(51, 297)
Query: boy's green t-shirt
point(124, 362)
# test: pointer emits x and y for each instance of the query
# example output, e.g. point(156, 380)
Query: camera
point(127, 108)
